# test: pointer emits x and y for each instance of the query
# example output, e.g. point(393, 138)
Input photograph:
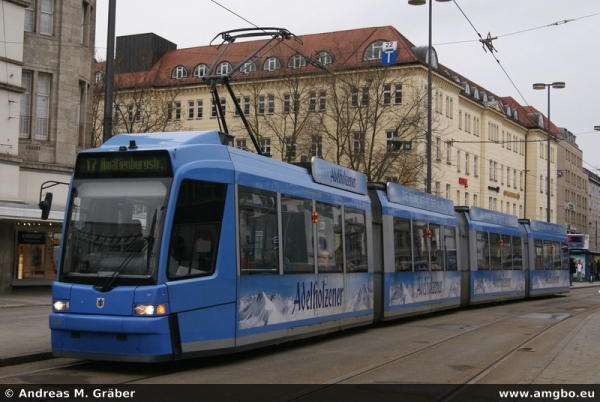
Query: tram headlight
point(60, 305)
point(150, 309)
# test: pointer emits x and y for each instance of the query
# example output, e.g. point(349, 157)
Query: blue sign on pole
point(389, 53)
point(389, 57)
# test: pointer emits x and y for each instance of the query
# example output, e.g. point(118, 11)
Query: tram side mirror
point(565, 248)
point(46, 205)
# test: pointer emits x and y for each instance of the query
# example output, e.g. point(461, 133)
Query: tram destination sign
point(117, 164)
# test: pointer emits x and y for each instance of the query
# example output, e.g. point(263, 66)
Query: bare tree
point(138, 106)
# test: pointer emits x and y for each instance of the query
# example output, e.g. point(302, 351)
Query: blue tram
point(178, 245)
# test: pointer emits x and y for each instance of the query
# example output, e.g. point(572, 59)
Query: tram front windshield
point(112, 231)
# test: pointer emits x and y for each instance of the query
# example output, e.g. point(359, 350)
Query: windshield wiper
point(112, 279)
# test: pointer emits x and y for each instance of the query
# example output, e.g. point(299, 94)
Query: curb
point(35, 357)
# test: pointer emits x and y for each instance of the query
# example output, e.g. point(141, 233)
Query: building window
point(398, 94)
point(240, 143)
point(130, 113)
point(467, 164)
point(47, 17)
point(199, 108)
point(272, 64)
point(30, 17)
point(354, 97)
point(213, 112)
point(271, 103)
point(224, 68)
point(248, 67)
point(265, 146)
point(474, 200)
point(286, 103)
point(290, 148)
point(448, 152)
point(448, 191)
point(297, 61)
point(84, 36)
point(387, 94)
point(392, 141)
point(358, 142)
point(246, 105)
point(200, 70)
point(312, 101)
point(322, 101)
point(177, 110)
point(475, 166)
point(373, 51)
point(191, 109)
point(317, 145)
point(42, 112)
point(364, 100)
point(179, 72)
point(325, 58)
point(261, 104)
point(99, 77)
point(25, 114)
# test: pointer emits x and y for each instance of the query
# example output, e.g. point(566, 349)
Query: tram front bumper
point(116, 338)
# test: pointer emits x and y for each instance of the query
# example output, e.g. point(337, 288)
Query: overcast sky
point(538, 41)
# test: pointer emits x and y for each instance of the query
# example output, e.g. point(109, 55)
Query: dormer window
point(248, 67)
point(467, 88)
point(325, 58)
point(515, 115)
point(373, 51)
point(272, 64)
point(476, 93)
point(179, 72)
point(224, 68)
point(485, 97)
point(201, 70)
point(297, 61)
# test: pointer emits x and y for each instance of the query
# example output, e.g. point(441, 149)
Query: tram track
point(139, 374)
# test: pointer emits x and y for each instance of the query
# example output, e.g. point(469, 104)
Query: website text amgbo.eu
point(555, 395)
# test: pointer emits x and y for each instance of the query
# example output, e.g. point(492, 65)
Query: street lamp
point(557, 85)
point(429, 79)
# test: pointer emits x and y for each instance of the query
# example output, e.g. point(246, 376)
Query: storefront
point(37, 254)
point(29, 246)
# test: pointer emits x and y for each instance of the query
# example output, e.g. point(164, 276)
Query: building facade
point(50, 123)
point(342, 104)
point(593, 180)
point(573, 186)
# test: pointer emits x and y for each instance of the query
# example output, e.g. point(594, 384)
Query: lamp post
point(429, 92)
point(557, 85)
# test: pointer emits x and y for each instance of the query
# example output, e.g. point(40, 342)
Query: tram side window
point(556, 255)
point(495, 251)
point(259, 240)
point(517, 253)
point(402, 245)
point(539, 255)
point(356, 240)
point(548, 259)
point(451, 260)
point(196, 228)
point(297, 235)
point(421, 246)
point(506, 252)
point(437, 247)
point(564, 249)
point(329, 233)
point(483, 251)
